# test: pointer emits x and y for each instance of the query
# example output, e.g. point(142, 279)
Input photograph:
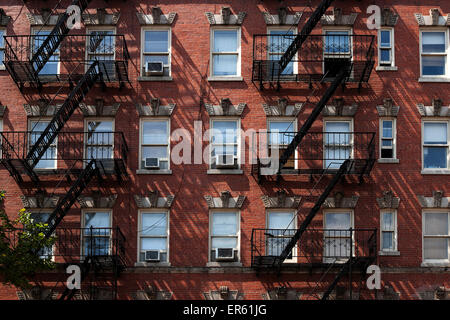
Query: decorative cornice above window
point(156, 17)
point(97, 201)
point(4, 18)
point(435, 110)
point(282, 293)
point(101, 18)
point(2, 110)
point(282, 18)
point(99, 110)
point(224, 201)
point(337, 109)
point(436, 201)
point(39, 200)
point(433, 19)
point(226, 17)
point(224, 293)
point(225, 108)
point(155, 109)
point(388, 109)
point(388, 17)
point(339, 19)
point(37, 293)
point(41, 109)
point(150, 293)
point(44, 18)
point(339, 201)
point(282, 109)
point(388, 201)
point(153, 200)
point(281, 200)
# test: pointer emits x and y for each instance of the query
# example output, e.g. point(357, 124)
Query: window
point(281, 133)
point(279, 42)
point(435, 145)
point(48, 160)
point(154, 234)
point(337, 51)
point(281, 225)
point(433, 50)
point(387, 139)
point(52, 65)
point(386, 56)
point(101, 45)
point(156, 47)
point(96, 234)
point(42, 217)
point(436, 237)
point(224, 141)
point(224, 233)
point(337, 237)
point(338, 141)
point(225, 53)
point(155, 144)
point(388, 230)
point(2, 48)
point(99, 140)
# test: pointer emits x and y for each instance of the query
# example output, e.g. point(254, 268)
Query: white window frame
point(269, 53)
point(436, 170)
point(238, 52)
point(294, 122)
point(352, 225)
point(435, 262)
point(86, 129)
point(395, 230)
point(394, 138)
point(351, 132)
point(239, 143)
point(143, 53)
point(2, 66)
point(390, 64)
point(34, 32)
point(55, 142)
point(141, 131)
point(139, 234)
point(237, 236)
point(446, 54)
point(87, 53)
point(330, 55)
point(83, 225)
point(294, 223)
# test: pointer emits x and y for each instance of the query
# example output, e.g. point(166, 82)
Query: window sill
point(435, 264)
point(224, 264)
point(225, 79)
point(434, 79)
point(152, 264)
point(386, 68)
point(225, 171)
point(143, 171)
point(2, 68)
point(388, 253)
point(388, 160)
point(156, 78)
point(435, 171)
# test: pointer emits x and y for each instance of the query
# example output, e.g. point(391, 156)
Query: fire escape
point(335, 59)
point(85, 155)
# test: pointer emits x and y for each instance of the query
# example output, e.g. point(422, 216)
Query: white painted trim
point(352, 138)
point(435, 170)
point(238, 235)
point(434, 78)
point(392, 67)
point(154, 119)
point(435, 262)
point(239, 145)
point(394, 139)
point(395, 240)
point(352, 225)
point(238, 74)
point(156, 28)
point(30, 126)
point(83, 225)
point(139, 230)
point(293, 226)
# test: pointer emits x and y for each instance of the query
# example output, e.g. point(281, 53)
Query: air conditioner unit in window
point(224, 254)
point(225, 160)
point(155, 68)
point(152, 255)
point(152, 163)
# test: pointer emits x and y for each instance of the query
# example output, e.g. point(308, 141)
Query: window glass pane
point(281, 132)
point(48, 160)
point(433, 66)
point(39, 217)
point(388, 240)
point(153, 244)
point(97, 132)
point(337, 42)
point(224, 150)
point(225, 41)
point(225, 65)
point(388, 221)
point(224, 223)
point(2, 43)
point(337, 133)
point(2, 58)
point(224, 243)
point(156, 152)
point(435, 157)
point(96, 220)
point(280, 40)
point(436, 223)
point(385, 38)
point(154, 224)
point(281, 220)
point(386, 143)
point(433, 41)
point(435, 248)
point(387, 129)
point(274, 66)
point(156, 41)
point(96, 245)
point(224, 132)
point(155, 132)
point(435, 133)
point(337, 221)
point(385, 55)
point(101, 41)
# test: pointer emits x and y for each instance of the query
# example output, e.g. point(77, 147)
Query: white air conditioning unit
point(154, 68)
point(225, 160)
point(224, 254)
point(152, 163)
point(152, 255)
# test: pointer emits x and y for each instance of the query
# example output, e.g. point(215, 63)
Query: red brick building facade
point(402, 199)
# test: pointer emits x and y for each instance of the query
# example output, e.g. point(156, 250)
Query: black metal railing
point(319, 57)
point(67, 146)
point(315, 247)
